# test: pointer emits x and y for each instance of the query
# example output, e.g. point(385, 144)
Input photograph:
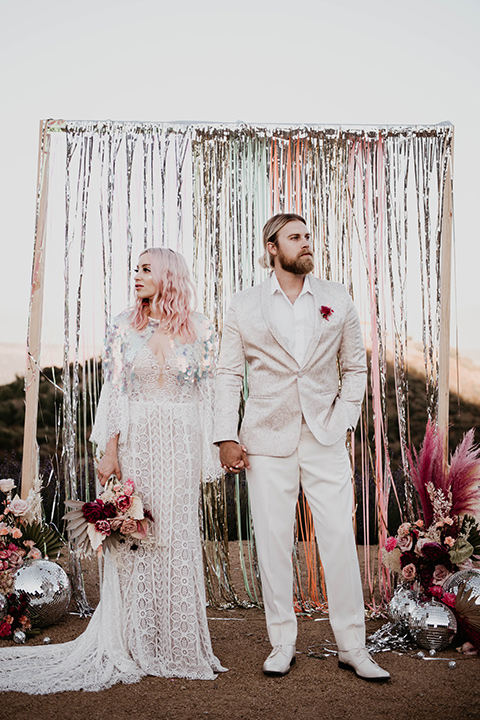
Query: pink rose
point(18, 506)
point(404, 529)
point(436, 591)
point(420, 543)
point(16, 533)
point(449, 541)
point(103, 527)
point(15, 559)
point(3, 529)
point(390, 544)
point(123, 502)
point(128, 526)
point(440, 574)
point(409, 572)
point(405, 543)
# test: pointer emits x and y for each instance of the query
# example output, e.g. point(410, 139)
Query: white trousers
point(273, 483)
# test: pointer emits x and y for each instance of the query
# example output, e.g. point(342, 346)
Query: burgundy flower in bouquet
point(116, 515)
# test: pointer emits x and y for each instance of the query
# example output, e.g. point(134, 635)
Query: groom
point(295, 331)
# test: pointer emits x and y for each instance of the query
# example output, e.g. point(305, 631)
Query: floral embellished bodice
point(134, 374)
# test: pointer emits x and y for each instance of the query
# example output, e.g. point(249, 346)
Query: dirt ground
point(315, 687)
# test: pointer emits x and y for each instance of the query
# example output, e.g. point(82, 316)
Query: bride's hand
point(107, 467)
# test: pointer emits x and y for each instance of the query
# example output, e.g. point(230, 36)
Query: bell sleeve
point(111, 417)
point(211, 467)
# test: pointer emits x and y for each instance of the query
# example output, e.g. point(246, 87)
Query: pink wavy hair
point(173, 297)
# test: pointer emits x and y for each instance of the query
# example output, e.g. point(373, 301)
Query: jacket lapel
point(319, 325)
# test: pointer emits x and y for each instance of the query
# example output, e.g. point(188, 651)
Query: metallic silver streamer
point(340, 179)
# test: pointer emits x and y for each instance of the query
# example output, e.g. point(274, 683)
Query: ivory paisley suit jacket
point(280, 390)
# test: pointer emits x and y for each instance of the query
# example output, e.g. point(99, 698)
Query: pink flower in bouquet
point(404, 530)
point(390, 544)
point(405, 543)
point(440, 574)
point(15, 559)
point(436, 591)
point(419, 523)
point(448, 521)
point(123, 502)
point(29, 543)
point(450, 541)
point(103, 527)
point(419, 545)
point(5, 554)
point(16, 533)
point(128, 526)
point(449, 599)
point(3, 529)
point(128, 487)
point(409, 572)
point(34, 554)
point(18, 506)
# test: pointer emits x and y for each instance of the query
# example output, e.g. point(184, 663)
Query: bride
point(153, 426)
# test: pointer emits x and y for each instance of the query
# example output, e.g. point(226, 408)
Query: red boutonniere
point(326, 312)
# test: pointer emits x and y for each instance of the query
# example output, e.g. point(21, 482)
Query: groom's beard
point(301, 265)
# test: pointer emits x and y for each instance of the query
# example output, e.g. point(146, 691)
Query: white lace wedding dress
point(151, 619)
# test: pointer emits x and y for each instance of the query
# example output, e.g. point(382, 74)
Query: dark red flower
point(408, 558)
point(93, 511)
point(433, 551)
point(110, 510)
point(326, 312)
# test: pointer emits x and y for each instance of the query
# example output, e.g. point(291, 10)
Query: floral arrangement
point(20, 539)
point(446, 538)
point(16, 615)
point(116, 515)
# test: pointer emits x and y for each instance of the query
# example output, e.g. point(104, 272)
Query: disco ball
point(432, 625)
point(47, 588)
point(400, 606)
point(471, 580)
point(3, 605)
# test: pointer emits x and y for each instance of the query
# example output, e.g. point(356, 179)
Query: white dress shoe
point(280, 660)
point(362, 664)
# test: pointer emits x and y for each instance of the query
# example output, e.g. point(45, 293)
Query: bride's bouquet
point(115, 516)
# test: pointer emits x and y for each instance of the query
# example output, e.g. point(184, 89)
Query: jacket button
point(300, 373)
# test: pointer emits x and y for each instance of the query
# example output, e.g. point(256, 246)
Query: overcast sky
point(340, 62)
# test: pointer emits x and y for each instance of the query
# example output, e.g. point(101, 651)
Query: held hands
point(107, 467)
point(233, 456)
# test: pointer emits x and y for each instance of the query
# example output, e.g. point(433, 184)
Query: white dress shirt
point(295, 322)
